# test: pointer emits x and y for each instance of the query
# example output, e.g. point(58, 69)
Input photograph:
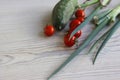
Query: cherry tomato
point(80, 13)
point(78, 34)
point(67, 42)
point(74, 24)
point(49, 30)
point(81, 19)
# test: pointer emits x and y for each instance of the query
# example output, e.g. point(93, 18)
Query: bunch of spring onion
point(101, 21)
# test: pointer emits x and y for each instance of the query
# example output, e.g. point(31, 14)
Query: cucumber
point(62, 13)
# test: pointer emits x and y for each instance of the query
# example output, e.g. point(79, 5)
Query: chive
point(88, 19)
point(105, 38)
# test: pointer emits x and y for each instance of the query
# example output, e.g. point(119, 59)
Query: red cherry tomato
point(67, 42)
point(81, 19)
point(80, 13)
point(49, 30)
point(74, 24)
point(78, 34)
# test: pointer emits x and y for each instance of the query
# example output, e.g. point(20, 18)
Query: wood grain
point(26, 54)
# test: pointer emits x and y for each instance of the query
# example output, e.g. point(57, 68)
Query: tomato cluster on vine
point(79, 18)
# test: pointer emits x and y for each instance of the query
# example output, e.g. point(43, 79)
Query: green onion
point(115, 12)
point(100, 16)
point(102, 40)
point(100, 43)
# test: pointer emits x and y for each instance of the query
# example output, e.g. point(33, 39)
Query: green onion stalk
point(100, 43)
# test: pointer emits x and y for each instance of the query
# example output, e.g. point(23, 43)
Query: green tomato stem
point(88, 3)
point(104, 2)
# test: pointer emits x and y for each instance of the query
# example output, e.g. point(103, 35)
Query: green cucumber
point(62, 13)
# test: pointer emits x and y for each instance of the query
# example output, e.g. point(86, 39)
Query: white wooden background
point(26, 54)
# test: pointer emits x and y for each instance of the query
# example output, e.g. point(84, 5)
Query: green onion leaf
point(100, 43)
point(100, 21)
point(96, 46)
point(100, 16)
